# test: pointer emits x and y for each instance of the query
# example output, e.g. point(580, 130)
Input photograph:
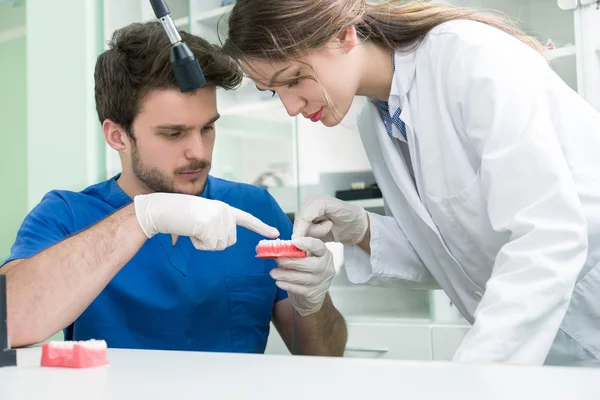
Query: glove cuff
point(140, 206)
point(364, 225)
point(304, 306)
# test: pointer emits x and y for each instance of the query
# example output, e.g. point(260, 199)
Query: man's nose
point(195, 147)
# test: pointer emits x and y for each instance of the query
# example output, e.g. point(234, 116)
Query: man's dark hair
point(137, 61)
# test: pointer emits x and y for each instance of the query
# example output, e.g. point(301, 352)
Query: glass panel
point(256, 145)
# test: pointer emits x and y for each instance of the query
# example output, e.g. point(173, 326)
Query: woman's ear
point(115, 135)
point(348, 38)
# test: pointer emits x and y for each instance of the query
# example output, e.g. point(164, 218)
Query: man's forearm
point(50, 290)
point(322, 333)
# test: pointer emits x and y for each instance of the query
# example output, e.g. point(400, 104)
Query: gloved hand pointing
point(306, 280)
point(332, 220)
point(210, 224)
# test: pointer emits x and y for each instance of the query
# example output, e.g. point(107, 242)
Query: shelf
point(389, 318)
point(250, 106)
point(11, 34)
point(208, 17)
point(367, 203)
point(254, 135)
point(181, 23)
point(212, 16)
point(560, 52)
point(368, 303)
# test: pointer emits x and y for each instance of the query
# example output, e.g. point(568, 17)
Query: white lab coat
point(503, 212)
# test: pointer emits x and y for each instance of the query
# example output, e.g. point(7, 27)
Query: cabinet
point(258, 143)
point(568, 28)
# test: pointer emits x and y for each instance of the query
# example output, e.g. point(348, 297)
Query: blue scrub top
point(171, 298)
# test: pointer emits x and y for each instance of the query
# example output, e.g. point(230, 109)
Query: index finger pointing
point(300, 227)
point(249, 221)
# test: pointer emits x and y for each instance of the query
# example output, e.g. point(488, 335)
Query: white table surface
point(165, 375)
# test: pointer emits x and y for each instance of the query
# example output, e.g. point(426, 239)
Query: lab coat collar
point(395, 161)
point(404, 67)
point(404, 74)
point(401, 84)
point(404, 71)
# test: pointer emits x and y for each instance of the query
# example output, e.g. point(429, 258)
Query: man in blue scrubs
point(162, 256)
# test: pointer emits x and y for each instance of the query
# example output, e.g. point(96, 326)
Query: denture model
point(278, 248)
point(74, 354)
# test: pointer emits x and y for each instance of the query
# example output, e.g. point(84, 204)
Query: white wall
point(13, 131)
point(322, 149)
point(588, 36)
point(64, 139)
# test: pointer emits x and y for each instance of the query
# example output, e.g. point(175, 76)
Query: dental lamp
point(185, 66)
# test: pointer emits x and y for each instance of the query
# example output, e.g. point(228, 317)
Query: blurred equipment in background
point(269, 179)
point(12, 3)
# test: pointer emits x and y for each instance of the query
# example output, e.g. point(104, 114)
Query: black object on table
point(371, 192)
point(8, 356)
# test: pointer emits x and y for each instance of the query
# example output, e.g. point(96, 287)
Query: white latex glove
point(210, 224)
point(331, 219)
point(306, 280)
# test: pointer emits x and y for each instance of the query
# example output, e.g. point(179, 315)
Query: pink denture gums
point(74, 354)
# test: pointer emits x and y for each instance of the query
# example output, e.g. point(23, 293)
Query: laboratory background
point(51, 138)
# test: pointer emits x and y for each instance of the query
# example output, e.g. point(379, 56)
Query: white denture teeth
point(61, 344)
point(274, 243)
point(93, 344)
point(88, 344)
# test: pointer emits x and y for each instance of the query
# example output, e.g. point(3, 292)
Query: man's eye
point(174, 135)
point(208, 128)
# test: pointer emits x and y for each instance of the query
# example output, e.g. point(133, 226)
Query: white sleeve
point(501, 99)
point(393, 261)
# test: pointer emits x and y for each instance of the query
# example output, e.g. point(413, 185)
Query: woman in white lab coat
point(488, 162)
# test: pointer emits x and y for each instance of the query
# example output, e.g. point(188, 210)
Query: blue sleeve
point(285, 227)
point(47, 224)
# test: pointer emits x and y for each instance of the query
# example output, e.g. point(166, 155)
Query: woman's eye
point(294, 83)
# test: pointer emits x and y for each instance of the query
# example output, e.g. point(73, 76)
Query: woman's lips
point(315, 117)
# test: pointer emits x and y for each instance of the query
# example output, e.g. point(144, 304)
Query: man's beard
point(157, 180)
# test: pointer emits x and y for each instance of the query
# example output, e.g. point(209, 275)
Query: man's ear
point(115, 135)
point(348, 39)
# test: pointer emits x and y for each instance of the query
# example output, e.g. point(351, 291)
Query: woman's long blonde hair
point(280, 30)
